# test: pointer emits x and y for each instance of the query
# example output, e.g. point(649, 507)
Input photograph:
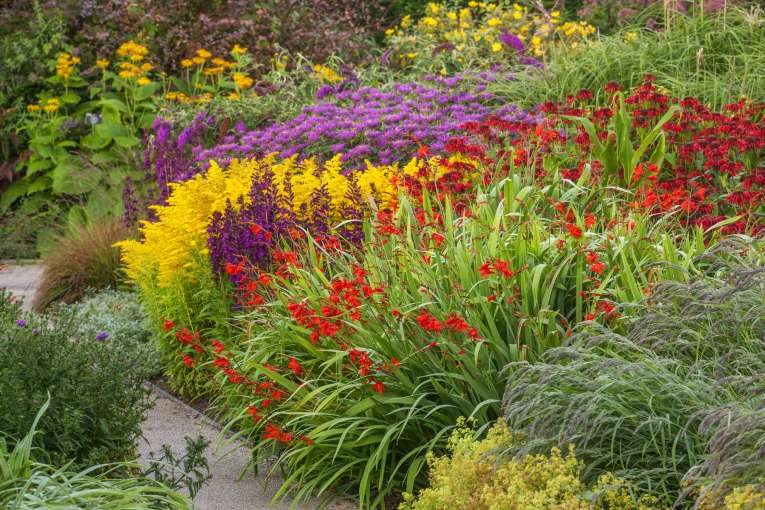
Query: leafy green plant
point(103, 119)
point(98, 398)
point(190, 471)
point(476, 475)
point(27, 485)
point(84, 259)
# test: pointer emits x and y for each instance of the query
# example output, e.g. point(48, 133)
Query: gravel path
point(171, 420)
point(21, 280)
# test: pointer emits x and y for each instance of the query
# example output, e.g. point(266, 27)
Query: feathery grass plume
point(83, 259)
point(673, 405)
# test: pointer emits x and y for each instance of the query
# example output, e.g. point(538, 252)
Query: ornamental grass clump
point(29, 485)
point(675, 406)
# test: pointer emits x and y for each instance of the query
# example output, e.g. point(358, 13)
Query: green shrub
point(29, 485)
point(474, 475)
point(82, 260)
point(97, 397)
point(124, 320)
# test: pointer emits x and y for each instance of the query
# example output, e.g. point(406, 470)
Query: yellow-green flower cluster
point(130, 67)
point(169, 244)
point(475, 477)
point(65, 65)
point(204, 65)
point(447, 38)
point(50, 105)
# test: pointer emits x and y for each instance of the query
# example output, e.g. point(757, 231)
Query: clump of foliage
point(98, 398)
point(675, 405)
point(476, 475)
point(189, 471)
point(717, 58)
point(118, 320)
point(81, 260)
point(26, 484)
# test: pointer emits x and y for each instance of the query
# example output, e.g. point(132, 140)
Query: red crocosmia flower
point(256, 300)
point(560, 244)
point(188, 361)
point(277, 394)
point(168, 325)
point(589, 220)
point(267, 235)
point(473, 334)
point(437, 238)
point(573, 230)
point(589, 317)
point(429, 323)
point(253, 411)
point(221, 362)
point(285, 437)
point(491, 298)
point(395, 362)
point(485, 269)
point(294, 365)
point(307, 440)
point(592, 257)
point(198, 348)
point(234, 269)
point(184, 336)
point(423, 152)
point(395, 313)
point(271, 431)
point(431, 345)
point(255, 229)
point(503, 267)
point(219, 347)
point(265, 279)
point(598, 267)
point(378, 387)
point(265, 403)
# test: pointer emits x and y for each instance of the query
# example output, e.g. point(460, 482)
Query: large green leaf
point(146, 91)
point(94, 141)
point(111, 130)
point(12, 193)
point(127, 141)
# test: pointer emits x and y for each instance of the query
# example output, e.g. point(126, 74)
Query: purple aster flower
point(21, 323)
point(103, 335)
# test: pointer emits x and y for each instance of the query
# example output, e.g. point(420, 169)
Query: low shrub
point(97, 397)
point(29, 485)
point(475, 475)
point(121, 323)
point(84, 259)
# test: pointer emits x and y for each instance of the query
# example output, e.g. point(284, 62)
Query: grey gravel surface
point(171, 420)
point(21, 281)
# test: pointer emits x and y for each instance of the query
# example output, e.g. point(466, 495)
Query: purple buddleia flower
point(512, 41)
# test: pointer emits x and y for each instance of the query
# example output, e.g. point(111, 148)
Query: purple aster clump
point(380, 124)
point(512, 41)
